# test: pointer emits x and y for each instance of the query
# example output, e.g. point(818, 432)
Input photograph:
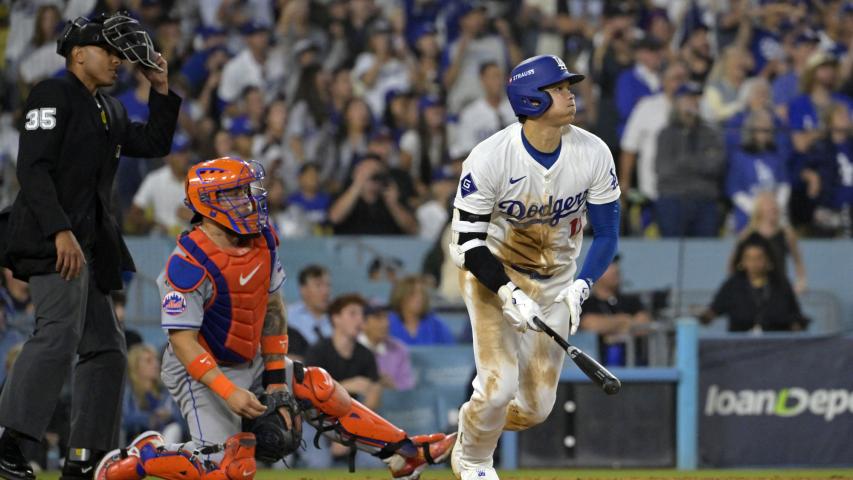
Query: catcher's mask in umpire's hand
point(117, 32)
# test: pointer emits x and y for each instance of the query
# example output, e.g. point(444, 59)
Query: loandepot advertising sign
point(776, 401)
point(787, 402)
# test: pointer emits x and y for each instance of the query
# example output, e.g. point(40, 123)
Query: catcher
point(226, 327)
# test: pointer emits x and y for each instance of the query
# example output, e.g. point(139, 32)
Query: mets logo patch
point(174, 303)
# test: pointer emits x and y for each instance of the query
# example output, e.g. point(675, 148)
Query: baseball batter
point(517, 229)
point(227, 340)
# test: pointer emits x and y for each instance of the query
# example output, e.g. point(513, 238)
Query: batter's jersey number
point(576, 226)
point(44, 118)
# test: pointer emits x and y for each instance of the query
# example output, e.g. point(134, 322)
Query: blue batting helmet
point(529, 77)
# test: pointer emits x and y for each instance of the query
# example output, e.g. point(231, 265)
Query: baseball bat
point(594, 370)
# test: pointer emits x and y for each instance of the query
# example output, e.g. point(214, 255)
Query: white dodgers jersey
point(537, 213)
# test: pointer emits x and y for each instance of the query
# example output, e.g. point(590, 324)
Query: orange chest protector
point(234, 315)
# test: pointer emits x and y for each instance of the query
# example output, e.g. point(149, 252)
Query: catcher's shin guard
point(344, 420)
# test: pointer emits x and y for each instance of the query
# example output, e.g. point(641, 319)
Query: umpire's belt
point(530, 273)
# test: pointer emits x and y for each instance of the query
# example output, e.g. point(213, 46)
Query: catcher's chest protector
point(234, 315)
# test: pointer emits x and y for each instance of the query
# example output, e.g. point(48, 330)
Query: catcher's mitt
point(279, 429)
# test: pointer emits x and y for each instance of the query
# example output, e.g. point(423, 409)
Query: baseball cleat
point(480, 473)
point(120, 464)
point(151, 437)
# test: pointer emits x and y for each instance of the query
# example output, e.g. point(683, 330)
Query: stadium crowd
point(725, 117)
point(361, 110)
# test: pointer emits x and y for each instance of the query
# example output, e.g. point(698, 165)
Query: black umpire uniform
point(68, 156)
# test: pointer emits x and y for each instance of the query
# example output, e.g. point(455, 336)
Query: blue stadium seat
point(415, 411)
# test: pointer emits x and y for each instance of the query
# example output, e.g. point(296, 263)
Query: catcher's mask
point(229, 192)
point(118, 32)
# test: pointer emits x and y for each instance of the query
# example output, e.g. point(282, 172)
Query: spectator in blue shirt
point(410, 318)
point(804, 113)
point(313, 202)
point(309, 317)
point(786, 86)
point(640, 81)
point(819, 91)
point(757, 166)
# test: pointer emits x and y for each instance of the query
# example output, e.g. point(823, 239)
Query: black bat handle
point(594, 370)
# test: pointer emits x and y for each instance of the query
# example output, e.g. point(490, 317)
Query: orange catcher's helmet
point(229, 192)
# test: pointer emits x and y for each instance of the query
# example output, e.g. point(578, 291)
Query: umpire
point(61, 237)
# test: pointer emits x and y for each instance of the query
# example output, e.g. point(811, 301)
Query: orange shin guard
point(324, 393)
point(346, 420)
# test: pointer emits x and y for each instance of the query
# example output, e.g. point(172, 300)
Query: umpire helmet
point(530, 77)
point(229, 192)
point(117, 32)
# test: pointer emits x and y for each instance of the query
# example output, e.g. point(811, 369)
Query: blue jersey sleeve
point(605, 228)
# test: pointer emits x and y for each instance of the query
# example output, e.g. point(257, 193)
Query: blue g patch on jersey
point(467, 185)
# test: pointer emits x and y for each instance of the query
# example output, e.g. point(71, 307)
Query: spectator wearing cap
point(249, 67)
point(786, 85)
point(158, 205)
point(818, 87)
point(426, 148)
point(209, 57)
point(756, 166)
point(486, 115)
point(615, 316)
point(763, 30)
point(313, 202)
point(411, 320)
point(392, 355)
point(242, 134)
point(639, 141)
point(434, 214)
point(475, 46)
point(640, 81)
point(722, 97)
point(380, 69)
point(371, 204)
point(690, 166)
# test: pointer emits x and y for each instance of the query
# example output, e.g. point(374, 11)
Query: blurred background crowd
point(726, 118)
point(361, 110)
